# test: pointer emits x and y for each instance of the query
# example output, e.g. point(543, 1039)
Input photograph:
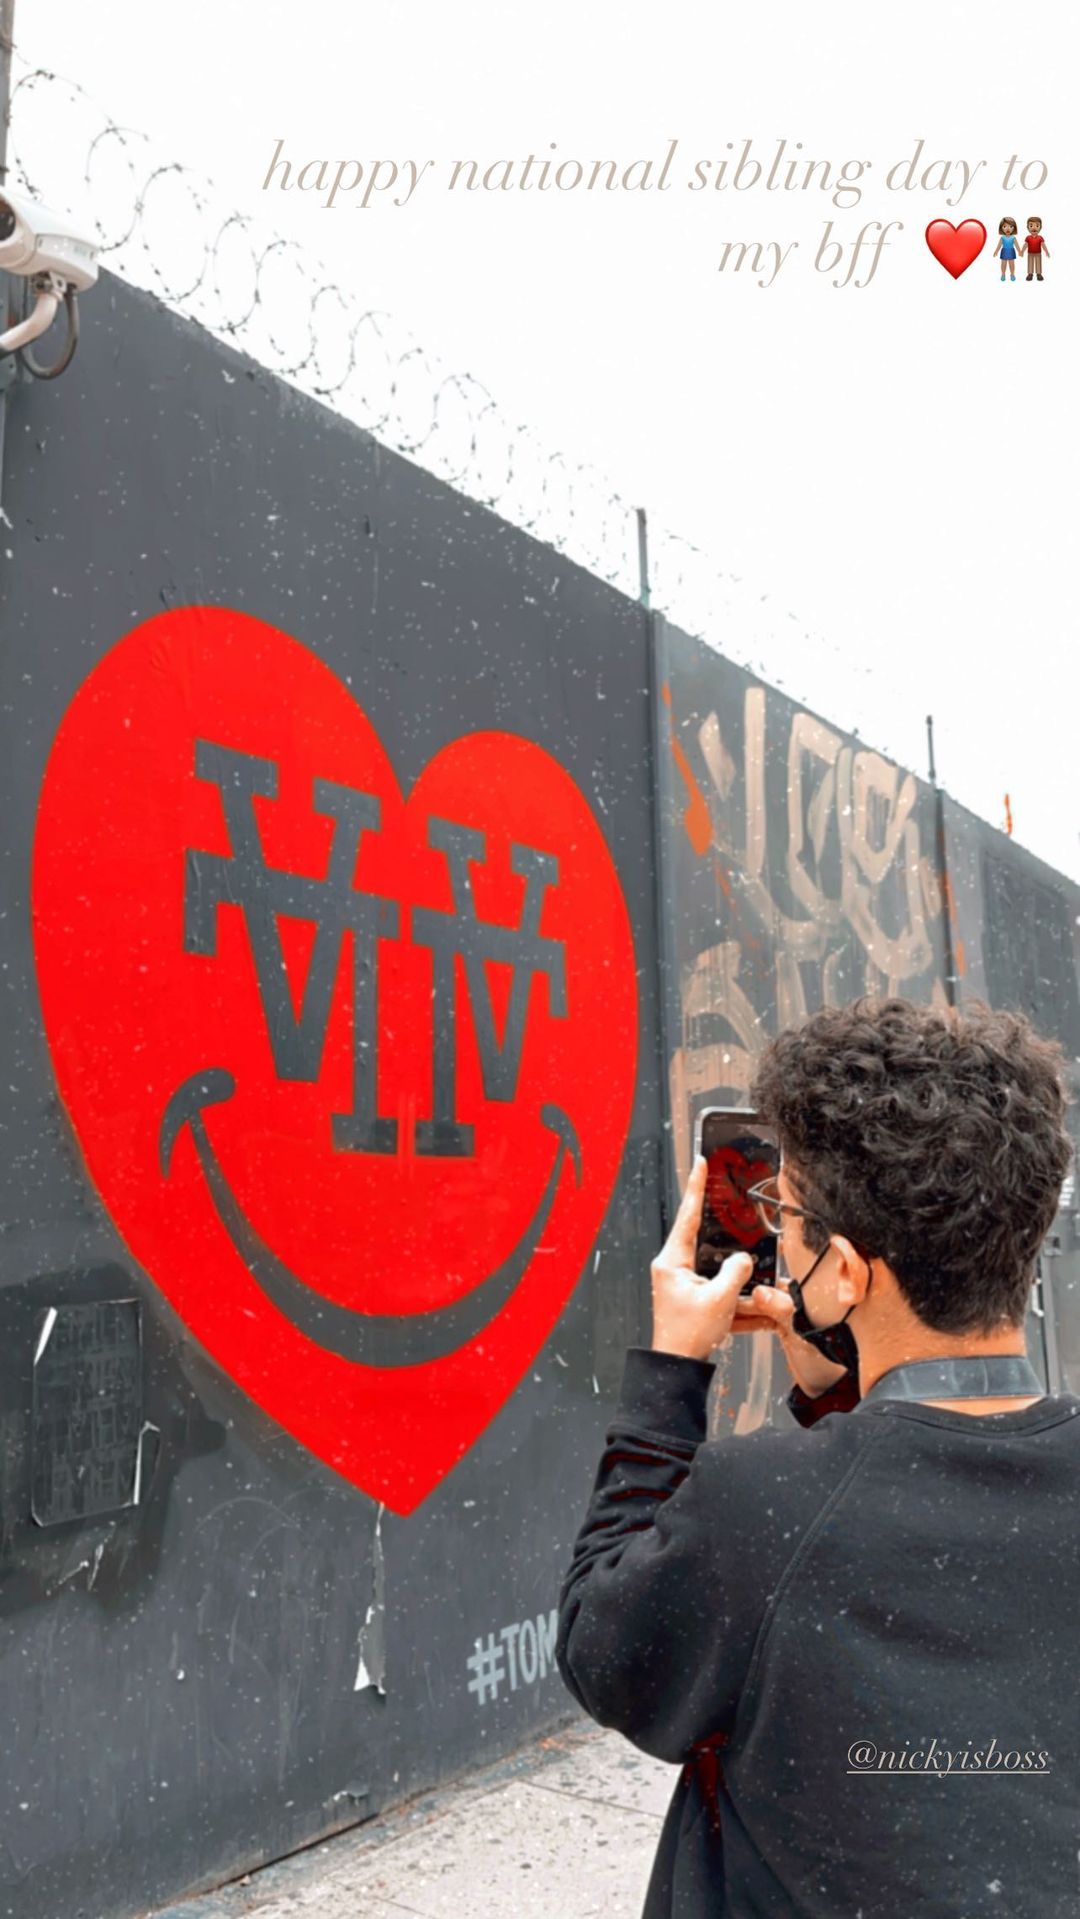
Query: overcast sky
point(893, 464)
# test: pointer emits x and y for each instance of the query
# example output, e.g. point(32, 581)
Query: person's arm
point(811, 1371)
point(996, 251)
point(658, 1612)
point(821, 1385)
point(841, 1398)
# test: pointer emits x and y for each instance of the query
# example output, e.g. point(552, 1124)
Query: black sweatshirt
point(804, 1619)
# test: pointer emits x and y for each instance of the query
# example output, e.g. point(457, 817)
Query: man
point(1035, 247)
point(809, 1622)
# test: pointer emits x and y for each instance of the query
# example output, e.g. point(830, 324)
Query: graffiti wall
point(332, 1122)
point(1017, 936)
point(800, 869)
point(383, 896)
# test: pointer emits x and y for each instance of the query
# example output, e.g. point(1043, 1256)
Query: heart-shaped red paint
point(956, 247)
point(352, 1072)
point(727, 1181)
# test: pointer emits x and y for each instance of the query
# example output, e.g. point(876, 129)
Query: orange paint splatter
point(958, 944)
point(696, 819)
point(696, 822)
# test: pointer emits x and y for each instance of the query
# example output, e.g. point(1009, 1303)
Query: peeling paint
point(371, 1670)
point(145, 1428)
point(46, 1333)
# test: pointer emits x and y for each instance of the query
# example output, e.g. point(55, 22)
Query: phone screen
point(739, 1156)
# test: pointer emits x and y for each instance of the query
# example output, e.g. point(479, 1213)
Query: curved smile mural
point(352, 1071)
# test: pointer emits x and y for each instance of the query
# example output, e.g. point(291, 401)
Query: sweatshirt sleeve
point(657, 1617)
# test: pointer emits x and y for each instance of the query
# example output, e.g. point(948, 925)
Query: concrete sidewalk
point(566, 1828)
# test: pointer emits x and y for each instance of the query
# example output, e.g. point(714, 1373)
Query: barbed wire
point(162, 226)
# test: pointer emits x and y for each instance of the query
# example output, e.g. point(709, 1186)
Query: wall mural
point(351, 1070)
point(799, 872)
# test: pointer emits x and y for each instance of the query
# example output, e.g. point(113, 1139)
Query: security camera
point(58, 259)
point(34, 240)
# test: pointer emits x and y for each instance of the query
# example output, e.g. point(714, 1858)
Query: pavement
point(565, 1828)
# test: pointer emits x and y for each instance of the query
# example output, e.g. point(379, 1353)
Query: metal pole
point(7, 47)
point(643, 557)
point(665, 944)
point(943, 871)
point(7, 43)
point(668, 1022)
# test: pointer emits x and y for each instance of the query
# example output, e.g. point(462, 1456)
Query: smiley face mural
point(351, 1070)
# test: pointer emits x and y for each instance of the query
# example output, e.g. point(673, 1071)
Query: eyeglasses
point(770, 1208)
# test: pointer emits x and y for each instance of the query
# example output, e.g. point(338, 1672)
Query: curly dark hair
point(933, 1138)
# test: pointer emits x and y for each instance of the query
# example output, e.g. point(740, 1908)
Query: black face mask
point(837, 1341)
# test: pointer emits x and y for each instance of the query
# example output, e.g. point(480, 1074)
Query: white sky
point(896, 465)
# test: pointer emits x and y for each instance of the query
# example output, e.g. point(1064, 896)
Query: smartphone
point(740, 1153)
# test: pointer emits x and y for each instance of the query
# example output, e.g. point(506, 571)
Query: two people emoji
point(1034, 246)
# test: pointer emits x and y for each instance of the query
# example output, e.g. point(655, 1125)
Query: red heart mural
point(956, 247)
point(352, 1071)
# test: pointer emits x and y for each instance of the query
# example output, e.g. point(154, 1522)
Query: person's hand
point(692, 1315)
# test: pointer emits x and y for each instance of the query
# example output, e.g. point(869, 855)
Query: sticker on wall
point(351, 1069)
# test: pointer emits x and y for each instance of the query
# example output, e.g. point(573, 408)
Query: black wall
point(1016, 932)
point(253, 1651)
point(799, 870)
point(180, 1675)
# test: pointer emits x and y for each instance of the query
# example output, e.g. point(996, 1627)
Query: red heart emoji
point(730, 1174)
point(956, 247)
point(352, 1071)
